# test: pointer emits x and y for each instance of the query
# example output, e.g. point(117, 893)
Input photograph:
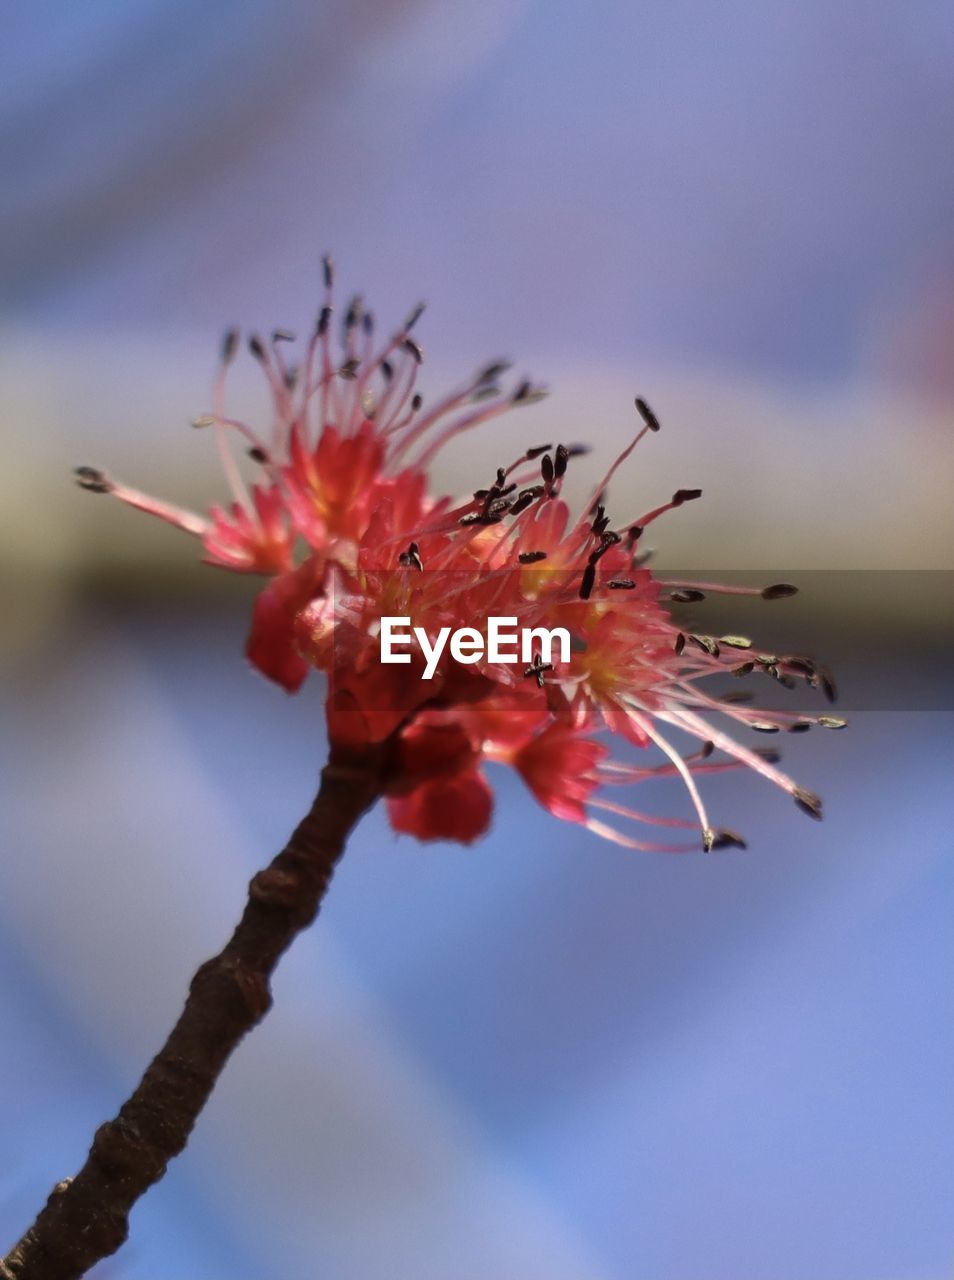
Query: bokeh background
point(541, 1057)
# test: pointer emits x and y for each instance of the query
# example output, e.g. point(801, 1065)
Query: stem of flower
point(87, 1217)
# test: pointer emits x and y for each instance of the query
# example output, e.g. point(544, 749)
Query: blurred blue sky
point(541, 1057)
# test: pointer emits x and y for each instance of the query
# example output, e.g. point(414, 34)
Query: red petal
point(455, 809)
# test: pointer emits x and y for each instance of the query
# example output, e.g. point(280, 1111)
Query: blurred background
point(543, 1056)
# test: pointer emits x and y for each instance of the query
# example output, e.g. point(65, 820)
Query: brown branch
point(87, 1217)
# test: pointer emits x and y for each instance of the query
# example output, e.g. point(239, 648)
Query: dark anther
point(256, 346)
point(491, 372)
point(801, 666)
point(481, 517)
point(412, 556)
point(589, 578)
point(745, 669)
point(634, 532)
point(577, 450)
point(501, 479)
point(367, 323)
point(537, 670)
point(771, 755)
point(324, 320)
point(621, 584)
point(387, 370)
point(706, 644)
point(485, 392)
point(687, 596)
point(560, 461)
point(415, 349)
point(680, 644)
point(728, 839)
point(607, 540)
point(349, 370)
point(827, 682)
point(525, 497)
point(416, 401)
point(546, 469)
point(647, 415)
point(685, 495)
point(536, 451)
point(92, 480)
point(413, 318)
point(532, 395)
point(282, 335)
point(531, 557)
point(497, 508)
point(808, 802)
point(229, 345)
point(706, 750)
point(328, 270)
point(353, 314)
point(779, 591)
point(257, 454)
point(799, 726)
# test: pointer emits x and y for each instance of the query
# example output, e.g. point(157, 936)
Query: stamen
point(415, 315)
point(527, 393)
point(229, 345)
point(412, 556)
point(831, 722)
point(808, 802)
point(724, 838)
point(92, 480)
point(685, 495)
point(705, 643)
point(530, 557)
point(647, 415)
point(415, 349)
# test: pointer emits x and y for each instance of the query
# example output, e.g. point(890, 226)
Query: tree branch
point(87, 1217)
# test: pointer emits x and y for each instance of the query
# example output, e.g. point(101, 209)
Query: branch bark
point(86, 1218)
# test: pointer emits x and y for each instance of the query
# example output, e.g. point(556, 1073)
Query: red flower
point(343, 478)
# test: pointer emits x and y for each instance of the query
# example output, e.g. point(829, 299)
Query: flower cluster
point(340, 520)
